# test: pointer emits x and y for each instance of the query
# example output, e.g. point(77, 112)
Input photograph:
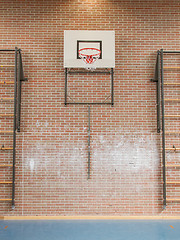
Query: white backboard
point(76, 40)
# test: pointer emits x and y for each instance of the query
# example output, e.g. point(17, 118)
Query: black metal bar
point(22, 78)
point(8, 50)
point(76, 103)
point(89, 142)
point(19, 85)
point(14, 130)
point(65, 87)
point(156, 69)
point(163, 131)
point(178, 52)
point(93, 72)
point(155, 79)
point(19, 92)
point(158, 90)
point(112, 87)
point(158, 94)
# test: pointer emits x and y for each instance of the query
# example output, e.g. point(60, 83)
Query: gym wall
point(52, 147)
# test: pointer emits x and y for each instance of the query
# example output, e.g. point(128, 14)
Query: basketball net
point(89, 56)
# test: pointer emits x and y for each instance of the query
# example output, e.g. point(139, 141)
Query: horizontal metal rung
point(6, 132)
point(6, 165)
point(7, 65)
point(175, 116)
point(6, 148)
point(173, 199)
point(174, 100)
point(7, 115)
point(173, 84)
point(173, 67)
point(172, 182)
point(173, 165)
point(172, 132)
point(5, 182)
point(174, 149)
point(5, 199)
point(7, 82)
point(5, 99)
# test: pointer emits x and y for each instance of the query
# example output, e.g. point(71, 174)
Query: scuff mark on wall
point(132, 152)
point(31, 163)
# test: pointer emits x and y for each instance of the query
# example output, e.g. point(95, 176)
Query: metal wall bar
point(76, 103)
point(8, 50)
point(19, 85)
point(163, 131)
point(176, 52)
point(94, 72)
point(14, 130)
point(158, 93)
point(65, 87)
point(158, 90)
point(19, 93)
point(159, 79)
point(18, 77)
point(89, 141)
point(112, 87)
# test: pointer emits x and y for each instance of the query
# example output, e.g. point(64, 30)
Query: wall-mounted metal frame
point(111, 96)
point(159, 79)
point(109, 72)
point(18, 78)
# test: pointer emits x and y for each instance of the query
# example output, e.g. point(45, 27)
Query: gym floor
point(90, 230)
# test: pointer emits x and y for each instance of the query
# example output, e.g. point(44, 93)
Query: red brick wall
point(52, 150)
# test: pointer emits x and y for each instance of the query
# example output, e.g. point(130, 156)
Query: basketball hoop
point(89, 56)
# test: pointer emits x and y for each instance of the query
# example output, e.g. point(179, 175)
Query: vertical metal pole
point(19, 91)
point(163, 131)
point(14, 129)
point(158, 94)
point(65, 87)
point(89, 143)
point(112, 87)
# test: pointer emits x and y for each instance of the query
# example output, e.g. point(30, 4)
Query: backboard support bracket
point(106, 71)
point(110, 96)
